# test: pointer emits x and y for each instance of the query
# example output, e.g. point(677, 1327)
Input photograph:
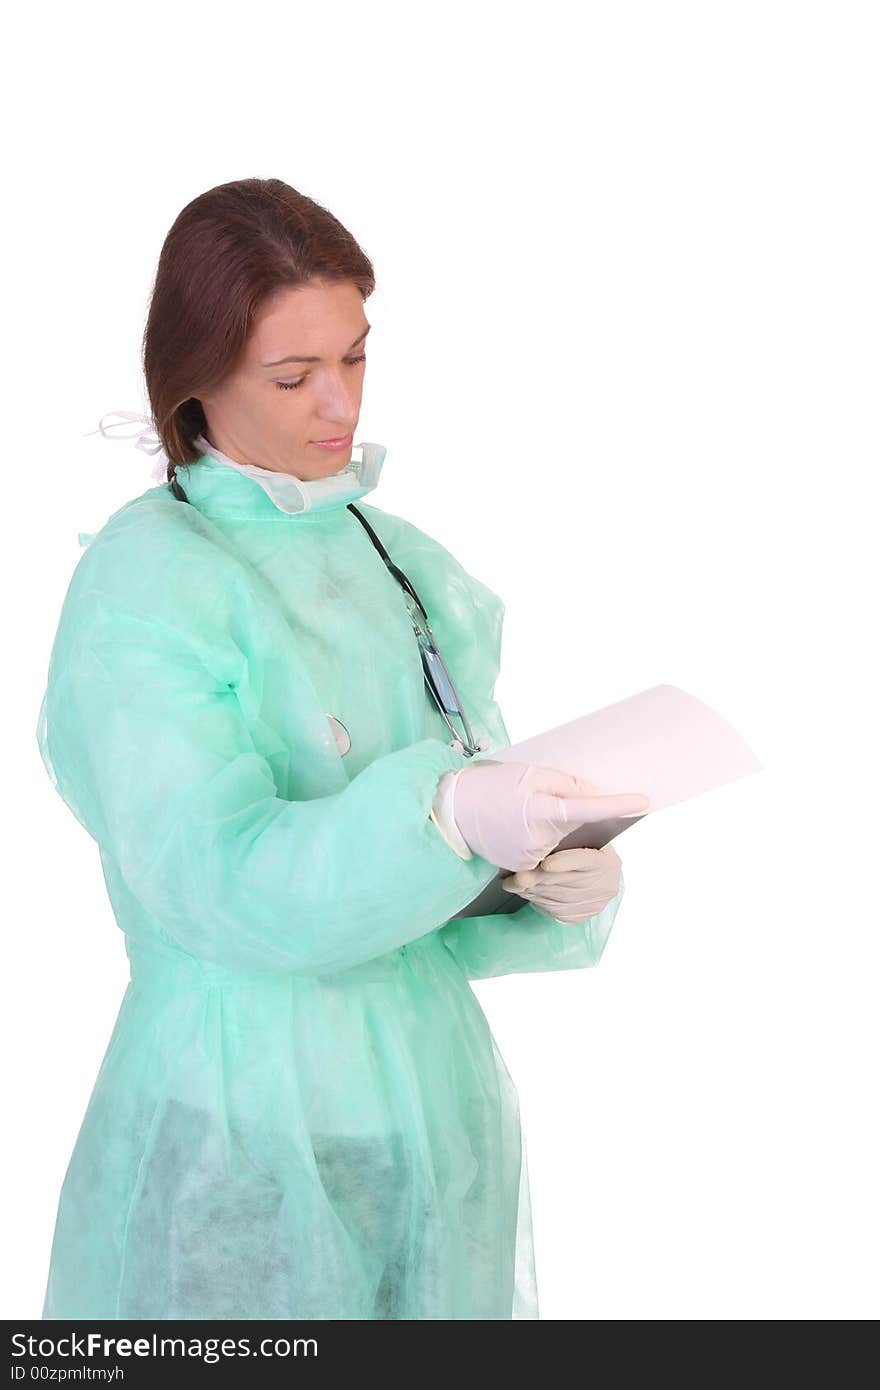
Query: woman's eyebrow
point(294, 358)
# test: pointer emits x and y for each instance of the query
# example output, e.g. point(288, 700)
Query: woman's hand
point(571, 885)
point(515, 814)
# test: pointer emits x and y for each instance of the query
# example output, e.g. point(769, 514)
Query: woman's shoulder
point(438, 574)
point(404, 535)
point(158, 559)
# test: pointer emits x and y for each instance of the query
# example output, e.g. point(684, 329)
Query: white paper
point(662, 742)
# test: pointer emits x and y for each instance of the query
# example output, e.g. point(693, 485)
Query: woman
point(301, 1112)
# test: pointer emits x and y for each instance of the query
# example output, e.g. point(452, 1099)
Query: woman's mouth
point(331, 444)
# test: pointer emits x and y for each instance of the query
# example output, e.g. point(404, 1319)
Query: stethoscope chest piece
point(483, 746)
point(340, 733)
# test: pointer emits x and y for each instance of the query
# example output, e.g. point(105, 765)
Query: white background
point(624, 361)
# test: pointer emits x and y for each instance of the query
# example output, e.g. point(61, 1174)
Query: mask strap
point(147, 438)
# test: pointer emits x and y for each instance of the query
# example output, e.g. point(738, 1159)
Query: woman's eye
point(292, 385)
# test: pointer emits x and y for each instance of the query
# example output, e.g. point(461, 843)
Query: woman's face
point(271, 412)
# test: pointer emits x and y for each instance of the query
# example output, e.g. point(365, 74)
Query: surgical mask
point(289, 494)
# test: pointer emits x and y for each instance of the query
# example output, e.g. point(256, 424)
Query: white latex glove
point(515, 814)
point(571, 885)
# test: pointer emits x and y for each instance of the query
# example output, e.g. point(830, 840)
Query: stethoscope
point(437, 677)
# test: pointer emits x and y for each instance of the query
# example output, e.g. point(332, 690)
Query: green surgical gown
point(301, 1111)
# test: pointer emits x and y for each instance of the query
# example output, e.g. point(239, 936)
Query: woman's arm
point(154, 756)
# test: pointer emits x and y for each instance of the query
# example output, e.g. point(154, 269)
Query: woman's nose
point(338, 399)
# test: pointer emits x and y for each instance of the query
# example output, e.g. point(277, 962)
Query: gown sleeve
point(147, 742)
point(508, 943)
point(467, 617)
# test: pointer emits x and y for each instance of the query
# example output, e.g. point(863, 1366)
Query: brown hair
point(226, 253)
